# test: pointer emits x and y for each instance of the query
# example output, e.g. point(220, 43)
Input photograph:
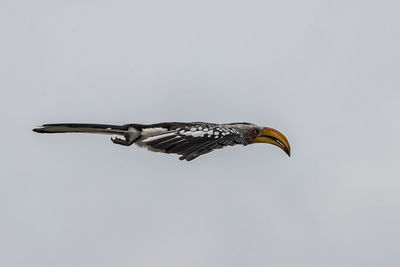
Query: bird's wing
point(194, 140)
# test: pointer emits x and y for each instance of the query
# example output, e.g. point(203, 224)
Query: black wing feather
point(210, 146)
point(160, 140)
point(184, 145)
point(190, 146)
point(169, 143)
point(196, 148)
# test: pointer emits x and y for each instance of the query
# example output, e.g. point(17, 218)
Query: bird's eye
point(255, 131)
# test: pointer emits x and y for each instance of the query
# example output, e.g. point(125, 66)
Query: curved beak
point(274, 137)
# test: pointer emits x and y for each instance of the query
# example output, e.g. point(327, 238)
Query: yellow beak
point(274, 137)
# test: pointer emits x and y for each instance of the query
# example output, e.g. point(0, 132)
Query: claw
point(116, 140)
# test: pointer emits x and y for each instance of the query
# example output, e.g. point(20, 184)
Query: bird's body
point(189, 140)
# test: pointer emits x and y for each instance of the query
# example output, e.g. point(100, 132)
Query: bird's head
point(258, 134)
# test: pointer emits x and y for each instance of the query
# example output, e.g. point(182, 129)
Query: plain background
point(325, 73)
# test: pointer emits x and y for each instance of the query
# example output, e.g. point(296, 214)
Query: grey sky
point(325, 73)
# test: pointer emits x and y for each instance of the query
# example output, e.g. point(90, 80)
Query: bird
point(187, 139)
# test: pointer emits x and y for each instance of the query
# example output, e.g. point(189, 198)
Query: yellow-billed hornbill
point(189, 140)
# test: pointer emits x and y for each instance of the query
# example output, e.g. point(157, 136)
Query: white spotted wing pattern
point(194, 140)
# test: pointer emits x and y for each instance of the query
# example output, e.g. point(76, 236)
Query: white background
point(325, 73)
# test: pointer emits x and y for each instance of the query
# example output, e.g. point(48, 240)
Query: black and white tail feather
point(189, 140)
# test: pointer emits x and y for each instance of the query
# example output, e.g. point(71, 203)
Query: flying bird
point(189, 140)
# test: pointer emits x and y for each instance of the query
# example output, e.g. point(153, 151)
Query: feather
point(182, 146)
point(159, 136)
point(198, 151)
point(159, 140)
point(168, 146)
point(197, 147)
point(169, 143)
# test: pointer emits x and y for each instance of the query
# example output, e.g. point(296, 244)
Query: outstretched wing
point(194, 140)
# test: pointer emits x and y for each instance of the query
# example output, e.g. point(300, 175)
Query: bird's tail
point(82, 128)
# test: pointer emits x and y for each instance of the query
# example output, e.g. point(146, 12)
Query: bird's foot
point(120, 141)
